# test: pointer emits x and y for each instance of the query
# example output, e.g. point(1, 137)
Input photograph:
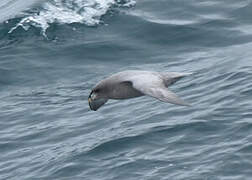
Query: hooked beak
point(91, 100)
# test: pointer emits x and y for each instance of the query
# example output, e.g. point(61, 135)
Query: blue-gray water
point(53, 52)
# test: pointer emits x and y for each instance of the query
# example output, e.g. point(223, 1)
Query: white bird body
point(130, 84)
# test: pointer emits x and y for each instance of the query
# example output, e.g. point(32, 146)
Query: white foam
point(88, 12)
point(12, 8)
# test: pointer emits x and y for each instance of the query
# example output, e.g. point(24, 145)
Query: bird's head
point(96, 99)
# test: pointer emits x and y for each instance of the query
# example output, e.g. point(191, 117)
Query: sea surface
point(52, 52)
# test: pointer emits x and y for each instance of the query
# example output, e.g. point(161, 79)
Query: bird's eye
point(96, 90)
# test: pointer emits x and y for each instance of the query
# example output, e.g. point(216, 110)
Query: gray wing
point(163, 94)
point(154, 86)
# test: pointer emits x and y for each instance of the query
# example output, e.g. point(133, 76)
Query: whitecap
point(86, 12)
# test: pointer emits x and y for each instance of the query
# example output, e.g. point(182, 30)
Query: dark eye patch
point(97, 90)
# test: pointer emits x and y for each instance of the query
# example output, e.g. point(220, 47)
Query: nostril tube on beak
point(93, 96)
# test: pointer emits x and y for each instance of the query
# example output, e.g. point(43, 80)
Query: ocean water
point(53, 52)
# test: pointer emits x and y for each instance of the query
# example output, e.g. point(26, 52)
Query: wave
point(12, 8)
point(88, 12)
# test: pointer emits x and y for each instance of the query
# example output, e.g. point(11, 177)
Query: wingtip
point(183, 103)
point(188, 74)
point(187, 104)
point(179, 74)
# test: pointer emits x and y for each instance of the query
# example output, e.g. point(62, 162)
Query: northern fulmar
point(135, 83)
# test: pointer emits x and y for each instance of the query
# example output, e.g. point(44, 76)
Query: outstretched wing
point(154, 86)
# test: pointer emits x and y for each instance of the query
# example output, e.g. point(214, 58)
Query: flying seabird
point(135, 83)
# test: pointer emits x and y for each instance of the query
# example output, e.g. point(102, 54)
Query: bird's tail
point(172, 77)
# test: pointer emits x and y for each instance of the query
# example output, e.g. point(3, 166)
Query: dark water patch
point(121, 144)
